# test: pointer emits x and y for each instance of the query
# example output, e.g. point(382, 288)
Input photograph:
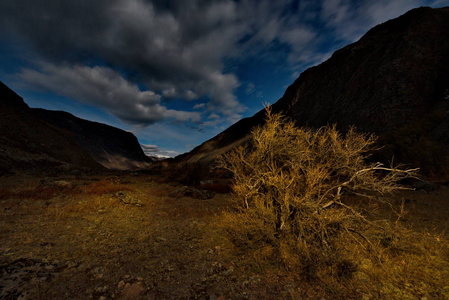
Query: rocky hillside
point(112, 147)
point(37, 140)
point(393, 82)
point(28, 143)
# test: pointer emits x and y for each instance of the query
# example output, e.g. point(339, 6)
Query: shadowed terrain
point(43, 140)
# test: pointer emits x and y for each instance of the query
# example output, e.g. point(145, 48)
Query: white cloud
point(105, 88)
point(169, 93)
point(381, 11)
point(220, 87)
point(155, 151)
point(351, 20)
point(199, 106)
point(250, 88)
point(213, 116)
point(190, 95)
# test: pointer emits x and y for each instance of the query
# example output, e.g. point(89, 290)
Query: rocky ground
point(132, 236)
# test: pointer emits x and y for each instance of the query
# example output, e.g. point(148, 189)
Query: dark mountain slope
point(28, 143)
point(398, 71)
point(393, 82)
point(112, 147)
point(41, 140)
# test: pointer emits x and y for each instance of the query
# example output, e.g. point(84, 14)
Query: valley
point(338, 190)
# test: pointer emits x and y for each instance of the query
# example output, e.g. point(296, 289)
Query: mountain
point(393, 82)
point(37, 140)
point(28, 143)
point(111, 147)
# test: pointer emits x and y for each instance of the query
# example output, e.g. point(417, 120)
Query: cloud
point(223, 99)
point(199, 106)
point(105, 88)
point(350, 20)
point(177, 49)
point(250, 88)
point(213, 116)
point(155, 151)
point(177, 53)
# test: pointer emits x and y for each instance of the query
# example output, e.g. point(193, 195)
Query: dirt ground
point(132, 236)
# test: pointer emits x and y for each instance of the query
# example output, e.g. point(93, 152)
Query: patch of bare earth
point(127, 236)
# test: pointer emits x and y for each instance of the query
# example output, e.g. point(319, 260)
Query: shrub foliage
point(290, 184)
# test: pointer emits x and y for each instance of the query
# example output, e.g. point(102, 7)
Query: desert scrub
point(292, 188)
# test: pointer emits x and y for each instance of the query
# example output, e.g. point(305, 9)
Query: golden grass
point(414, 266)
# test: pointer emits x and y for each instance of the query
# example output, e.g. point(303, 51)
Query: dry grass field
point(127, 236)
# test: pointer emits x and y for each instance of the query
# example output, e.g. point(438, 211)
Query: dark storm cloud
point(175, 53)
point(175, 48)
point(56, 29)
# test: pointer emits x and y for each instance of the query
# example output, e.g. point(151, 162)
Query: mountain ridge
point(111, 147)
point(396, 77)
point(38, 140)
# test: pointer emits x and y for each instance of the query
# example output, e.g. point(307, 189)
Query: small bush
point(291, 183)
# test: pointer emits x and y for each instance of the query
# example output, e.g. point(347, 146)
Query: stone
point(127, 199)
point(206, 182)
point(131, 291)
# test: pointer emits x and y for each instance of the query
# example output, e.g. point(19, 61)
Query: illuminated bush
point(290, 185)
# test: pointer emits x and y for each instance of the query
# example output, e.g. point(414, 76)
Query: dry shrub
point(290, 187)
point(105, 187)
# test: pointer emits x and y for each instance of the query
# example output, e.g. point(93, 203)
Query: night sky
point(175, 73)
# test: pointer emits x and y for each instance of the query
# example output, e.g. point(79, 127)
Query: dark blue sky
point(175, 73)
